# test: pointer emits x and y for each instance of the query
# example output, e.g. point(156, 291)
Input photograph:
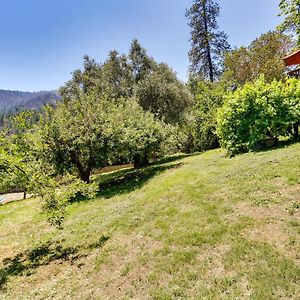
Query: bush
point(201, 122)
point(58, 195)
point(257, 112)
point(292, 98)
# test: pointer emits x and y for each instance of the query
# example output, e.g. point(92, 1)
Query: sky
point(43, 41)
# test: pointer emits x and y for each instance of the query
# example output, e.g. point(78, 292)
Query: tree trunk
point(84, 173)
point(209, 60)
point(140, 160)
point(24, 196)
point(296, 130)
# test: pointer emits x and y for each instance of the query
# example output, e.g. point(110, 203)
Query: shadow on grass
point(172, 158)
point(279, 145)
point(27, 262)
point(261, 149)
point(128, 180)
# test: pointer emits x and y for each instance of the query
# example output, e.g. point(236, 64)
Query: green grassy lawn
point(197, 227)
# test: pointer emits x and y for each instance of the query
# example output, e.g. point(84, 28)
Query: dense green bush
point(257, 112)
point(201, 121)
point(292, 98)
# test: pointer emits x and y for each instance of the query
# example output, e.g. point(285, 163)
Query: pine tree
point(208, 44)
point(141, 64)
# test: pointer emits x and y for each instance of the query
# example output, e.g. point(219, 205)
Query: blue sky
point(43, 41)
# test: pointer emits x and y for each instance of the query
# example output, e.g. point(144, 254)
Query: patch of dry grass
point(204, 227)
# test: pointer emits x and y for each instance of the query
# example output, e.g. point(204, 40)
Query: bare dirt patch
point(128, 268)
point(277, 235)
point(285, 190)
point(214, 258)
point(277, 211)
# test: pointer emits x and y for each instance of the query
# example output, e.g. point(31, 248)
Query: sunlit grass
point(198, 227)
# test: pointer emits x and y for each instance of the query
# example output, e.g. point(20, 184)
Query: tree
point(262, 57)
point(80, 134)
point(117, 79)
point(93, 132)
point(141, 64)
point(14, 172)
point(154, 85)
point(147, 137)
point(16, 159)
point(161, 93)
point(291, 10)
point(24, 166)
point(208, 44)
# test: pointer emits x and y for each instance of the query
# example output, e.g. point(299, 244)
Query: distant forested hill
point(16, 100)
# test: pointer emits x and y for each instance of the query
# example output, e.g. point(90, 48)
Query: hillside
point(197, 227)
point(12, 100)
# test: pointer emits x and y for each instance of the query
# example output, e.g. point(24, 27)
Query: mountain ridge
point(19, 100)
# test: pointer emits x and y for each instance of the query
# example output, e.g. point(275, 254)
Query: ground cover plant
point(201, 226)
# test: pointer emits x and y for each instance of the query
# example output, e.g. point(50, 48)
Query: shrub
point(257, 112)
point(58, 195)
point(292, 98)
point(201, 122)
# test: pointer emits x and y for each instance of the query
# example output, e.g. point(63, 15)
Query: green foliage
point(164, 95)
point(57, 196)
point(292, 98)
point(13, 170)
point(93, 132)
point(89, 133)
point(257, 112)
point(95, 126)
point(111, 113)
point(208, 98)
point(24, 167)
point(264, 56)
point(155, 86)
point(290, 9)
point(16, 158)
point(140, 63)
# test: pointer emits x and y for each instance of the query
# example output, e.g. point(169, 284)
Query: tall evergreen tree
point(141, 63)
point(208, 44)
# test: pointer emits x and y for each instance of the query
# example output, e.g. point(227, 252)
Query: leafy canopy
point(290, 9)
point(93, 132)
point(264, 56)
point(154, 85)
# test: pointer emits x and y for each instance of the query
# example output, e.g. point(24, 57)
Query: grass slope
point(199, 227)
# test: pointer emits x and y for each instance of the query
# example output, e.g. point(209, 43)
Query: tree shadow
point(172, 158)
point(27, 262)
point(280, 144)
point(263, 148)
point(127, 180)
